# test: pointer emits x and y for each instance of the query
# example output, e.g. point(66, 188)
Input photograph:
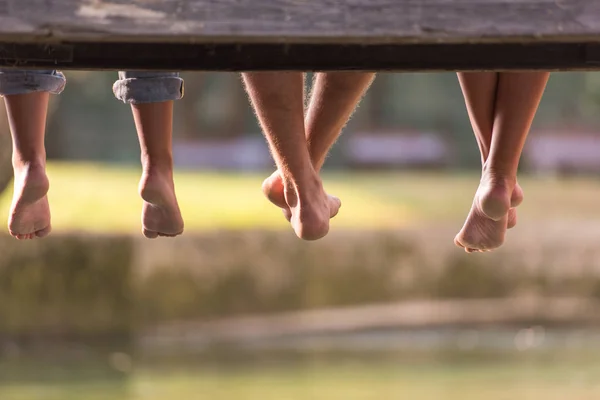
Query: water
point(493, 364)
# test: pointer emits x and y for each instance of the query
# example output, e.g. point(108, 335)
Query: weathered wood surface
point(276, 21)
point(300, 34)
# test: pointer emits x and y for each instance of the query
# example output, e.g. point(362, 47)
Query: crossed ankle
point(304, 189)
point(499, 170)
point(495, 177)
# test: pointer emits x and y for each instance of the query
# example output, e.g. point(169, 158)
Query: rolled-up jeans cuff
point(148, 87)
point(30, 81)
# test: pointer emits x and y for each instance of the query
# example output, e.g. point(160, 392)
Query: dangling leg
point(26, 95)
point(30, 212)
point(277, 98)
point(501, 108)
point(333, 99)
point(151, 95)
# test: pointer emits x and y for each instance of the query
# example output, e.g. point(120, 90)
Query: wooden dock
point(228, 35)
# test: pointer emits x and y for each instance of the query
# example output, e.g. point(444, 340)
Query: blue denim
point(132, 87)
point(14, 81)
point(135, 87)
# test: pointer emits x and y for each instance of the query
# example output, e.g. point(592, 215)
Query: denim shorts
point(133, 87)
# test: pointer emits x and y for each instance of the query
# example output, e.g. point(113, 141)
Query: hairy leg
point(333, 99)
point(277, 98)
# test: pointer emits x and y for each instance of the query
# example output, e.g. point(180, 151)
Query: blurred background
point(238, 308)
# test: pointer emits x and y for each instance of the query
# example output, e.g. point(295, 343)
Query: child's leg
point(151, 95)
point(278, 101)
point(501, 135)
point(519, 95)
point(334, 98)
point(26, 95)
point(479, 90)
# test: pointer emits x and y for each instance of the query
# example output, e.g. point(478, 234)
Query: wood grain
point(302, 21)
point(242, 35)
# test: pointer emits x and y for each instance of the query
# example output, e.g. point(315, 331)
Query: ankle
point(301, 189)
point(28, 165)
point(300, 183)
point(499, 176)
point(158, 165)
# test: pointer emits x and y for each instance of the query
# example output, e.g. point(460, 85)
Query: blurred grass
point(425, 382)
point(430, 381)
point(101, 198)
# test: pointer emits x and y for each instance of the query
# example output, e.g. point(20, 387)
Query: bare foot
point(480, 233)
point(308, 208)
point(30, 212)
point(160, 214)
point(485, 227)
point(495, 196)
point(273, 190)
point(515, 200)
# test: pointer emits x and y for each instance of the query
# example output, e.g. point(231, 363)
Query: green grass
point(101, 198)
point(431, 381)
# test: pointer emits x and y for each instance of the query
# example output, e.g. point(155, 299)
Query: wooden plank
point(234, 35)
point(303, 57)
point(302, 21)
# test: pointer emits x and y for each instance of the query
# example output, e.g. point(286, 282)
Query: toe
point(171, 235)
point(149, 234)
point(334, 205)
point(43, 232)
point(458, 243)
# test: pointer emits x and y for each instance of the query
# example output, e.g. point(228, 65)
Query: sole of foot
point(29, 216)
point(481, 232)
point(161, 215)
